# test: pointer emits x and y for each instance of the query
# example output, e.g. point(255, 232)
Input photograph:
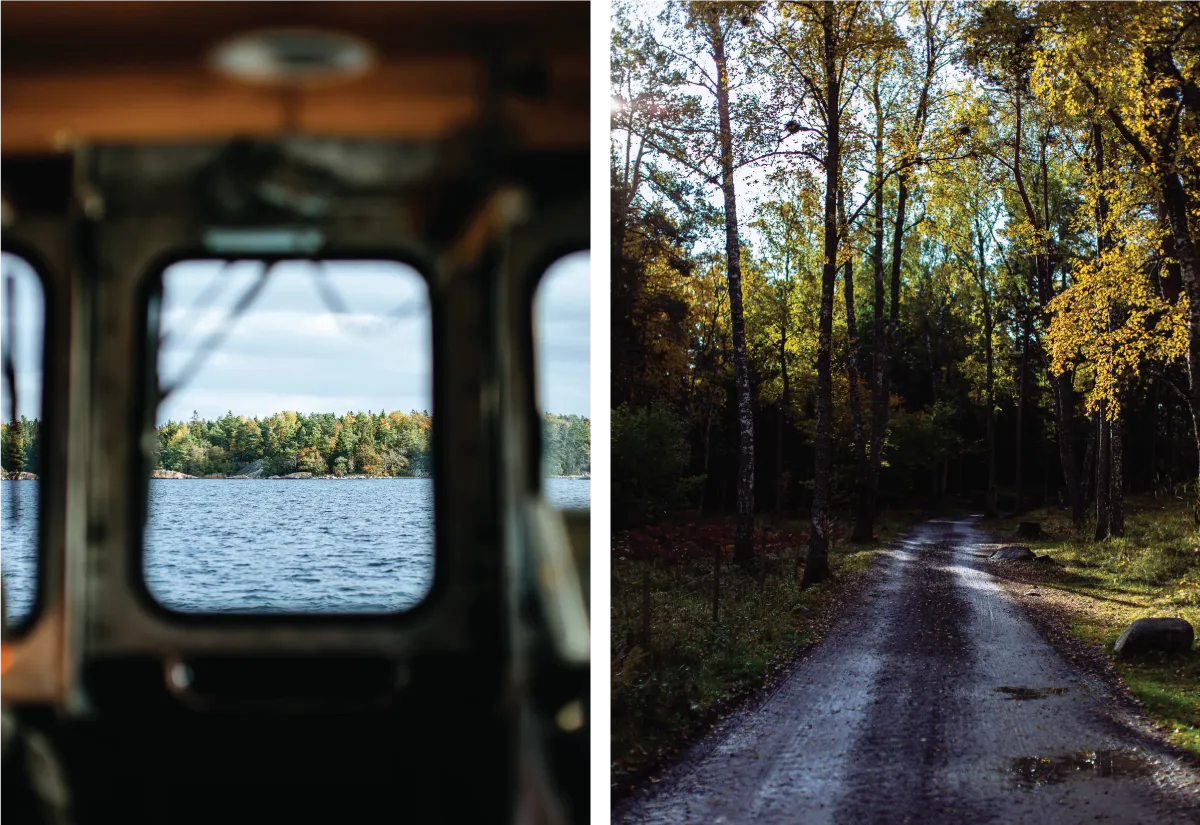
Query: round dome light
point(293, 57)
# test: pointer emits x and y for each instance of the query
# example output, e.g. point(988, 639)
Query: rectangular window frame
point(529, 355)
point(144, 422)
point(54, 350)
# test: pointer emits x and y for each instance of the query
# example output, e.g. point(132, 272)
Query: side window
point(561, 347)
point(292, 460)
point(22, 330)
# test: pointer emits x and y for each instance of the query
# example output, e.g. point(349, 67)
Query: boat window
point(562, 351)
point(292, 466)
point(22, 333)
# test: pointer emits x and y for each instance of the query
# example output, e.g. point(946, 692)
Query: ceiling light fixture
point(293, 58)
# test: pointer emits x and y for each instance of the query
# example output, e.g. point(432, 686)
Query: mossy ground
point(693, 671)
point(1098, 588)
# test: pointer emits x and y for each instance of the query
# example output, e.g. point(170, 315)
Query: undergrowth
point(1101, 587)
point(669, 688)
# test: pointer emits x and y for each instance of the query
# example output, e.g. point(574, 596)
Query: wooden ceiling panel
point(120, 71)
point(43, 36)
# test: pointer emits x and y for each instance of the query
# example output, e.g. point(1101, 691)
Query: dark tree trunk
point(744, 541)
point(1089, 459)
point(1113, 479)
point(893, 323)
point(863, 520)
point(816, 568)
point(880, 340)
point(783, 404)
point(1103, 479)
point(1116, 495)
point(1153, 468)
point(1021, 388)
point(707, 453)
point(992, 507)
point(1169, 467)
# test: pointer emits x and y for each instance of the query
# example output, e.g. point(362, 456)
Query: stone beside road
point(1147, 635)
point(1015, 553)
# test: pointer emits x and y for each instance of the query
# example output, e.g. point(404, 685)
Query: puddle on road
point(1021, 693)
point(1036, 771)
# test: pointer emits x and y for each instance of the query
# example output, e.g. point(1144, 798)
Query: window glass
point(562, 349)
point(22, 334)
point(294, 435)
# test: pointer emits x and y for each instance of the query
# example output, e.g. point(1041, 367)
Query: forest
point(964, 264)
point(873, 258)
point(394, 444)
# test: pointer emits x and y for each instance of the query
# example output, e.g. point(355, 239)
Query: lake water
point(364, 545)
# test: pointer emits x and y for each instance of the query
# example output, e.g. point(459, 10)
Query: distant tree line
point(393, 444)
point(20, 445)
point(566, 445)
point(375, 444)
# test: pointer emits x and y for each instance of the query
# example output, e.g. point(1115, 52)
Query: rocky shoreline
point(175, 474)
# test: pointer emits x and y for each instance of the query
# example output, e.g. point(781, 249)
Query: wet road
point(914, 709)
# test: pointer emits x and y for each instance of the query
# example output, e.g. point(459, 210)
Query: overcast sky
point(29, 314)
point(290, 350)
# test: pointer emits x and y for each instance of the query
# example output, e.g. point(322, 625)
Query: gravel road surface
point(933, 700)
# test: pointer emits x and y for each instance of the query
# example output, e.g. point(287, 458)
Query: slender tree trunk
point(1154, 434)
point(1169, 464)
point(744, 542)
point(784, 399)
point(1089, 459)
point(1113, 479)
point(1116, 495)
point(863, 518)
point(893, 321)
point(880, 339)
point(1103, 479)
point(816, 568)
point(707, 452)
point(993, 507)
point(1021, 387)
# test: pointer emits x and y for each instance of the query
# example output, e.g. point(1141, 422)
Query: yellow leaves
point(1112, 321)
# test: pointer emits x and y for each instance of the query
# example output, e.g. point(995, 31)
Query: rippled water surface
point(363, 545)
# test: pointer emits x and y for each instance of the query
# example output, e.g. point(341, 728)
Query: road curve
point(901, 716)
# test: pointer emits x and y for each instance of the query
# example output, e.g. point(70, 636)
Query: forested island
point(384, 444)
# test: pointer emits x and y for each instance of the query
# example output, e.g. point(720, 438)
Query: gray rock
point(1029, 529)
point(296, 475)
point(1145, 635)
point(1015, 553)
point(251, 470)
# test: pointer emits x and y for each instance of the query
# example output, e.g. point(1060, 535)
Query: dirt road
point(933, 700)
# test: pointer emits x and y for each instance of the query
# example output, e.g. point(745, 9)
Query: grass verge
point(669, 688)
point(1097, 589)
